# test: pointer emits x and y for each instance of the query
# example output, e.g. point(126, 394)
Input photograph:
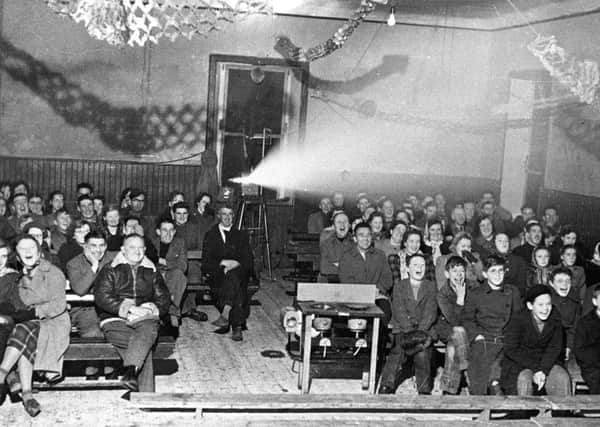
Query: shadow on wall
point(390, 64)
point(581, 123)
point(126, 129)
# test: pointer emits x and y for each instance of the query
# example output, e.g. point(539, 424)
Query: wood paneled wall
point(109, 178)
point(581, 211)
point(398, 186)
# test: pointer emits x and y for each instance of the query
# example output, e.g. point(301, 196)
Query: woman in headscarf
point(38, 343)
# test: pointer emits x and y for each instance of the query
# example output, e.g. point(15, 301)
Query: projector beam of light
point(319, 169)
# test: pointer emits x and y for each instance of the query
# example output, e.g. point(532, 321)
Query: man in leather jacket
point(130, 296)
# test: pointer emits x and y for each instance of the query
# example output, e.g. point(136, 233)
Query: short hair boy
point(488, 309)
point(451, 301)
point(566, 301)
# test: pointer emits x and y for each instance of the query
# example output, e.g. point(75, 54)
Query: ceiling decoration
point(485, 15)
point(136, 22)
point(286, 48)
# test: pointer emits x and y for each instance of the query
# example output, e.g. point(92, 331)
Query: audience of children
point(510, 317)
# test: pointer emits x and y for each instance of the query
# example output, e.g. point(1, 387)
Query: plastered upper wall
point(405, 99)
point(570, 167)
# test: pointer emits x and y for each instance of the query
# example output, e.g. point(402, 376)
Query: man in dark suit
point(227, 260)
point(172, 264)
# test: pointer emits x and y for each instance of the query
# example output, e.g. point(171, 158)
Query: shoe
point(175, 321)
point(383, 389)
point(14, 385)
point(3, 393)
point(32, 406)
point(129, 379)
point(220, 322)
point(198, 316)
point(495, 389)
point(222, 330)
point(56, 379)
point(236, 335)
point(244, 327)
point(93, 377)
point(112, 375)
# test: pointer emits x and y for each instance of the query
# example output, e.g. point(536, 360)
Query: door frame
point(300, 71)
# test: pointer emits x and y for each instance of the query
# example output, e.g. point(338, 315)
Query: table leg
point(308, 321)
point(374, 345)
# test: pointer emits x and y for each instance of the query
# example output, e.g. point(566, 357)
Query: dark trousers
point(455, 360)
point(134, 344)
point(591, 376)
point(398, 358)
point(484, 365)
point(232, 289)
point(386, 306)
point(6, 327)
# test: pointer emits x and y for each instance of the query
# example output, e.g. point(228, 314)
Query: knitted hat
point(535, 291)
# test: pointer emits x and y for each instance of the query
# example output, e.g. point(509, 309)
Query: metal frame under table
point(339, 309)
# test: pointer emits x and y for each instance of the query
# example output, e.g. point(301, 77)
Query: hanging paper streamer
point(581, 77)
point(138, 21)
point(103, 19)
point(289, 50)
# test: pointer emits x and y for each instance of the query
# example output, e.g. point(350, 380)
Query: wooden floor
point(209, 363)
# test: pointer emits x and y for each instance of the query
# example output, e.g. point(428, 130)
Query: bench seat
point(99, 349)
point(346, 403)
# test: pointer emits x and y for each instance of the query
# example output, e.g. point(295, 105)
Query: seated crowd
point(513, 299)
point(133, 265)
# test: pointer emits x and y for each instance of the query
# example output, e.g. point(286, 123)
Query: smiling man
point(172, 264)
point(532, 349)
point(362, 263)
point(82, 271)
point(130, 297)
point(227, 259)
point(333, 247)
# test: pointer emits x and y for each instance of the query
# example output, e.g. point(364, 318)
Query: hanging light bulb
point(257, 75)
point(391, 21)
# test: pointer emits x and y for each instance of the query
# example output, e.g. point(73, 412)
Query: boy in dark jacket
point(566, 302)
point(587, 344)
point(533, 346)
point(451, 302)
point(414, 309)
point(488, 309)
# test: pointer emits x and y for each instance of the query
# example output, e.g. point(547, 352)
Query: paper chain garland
point(136, 22)
point(289, 50)
point(582, 78)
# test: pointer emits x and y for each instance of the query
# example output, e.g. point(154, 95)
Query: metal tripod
point(257, 225)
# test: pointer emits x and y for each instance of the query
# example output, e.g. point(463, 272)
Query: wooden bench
point(481, 406)
point(303, 249)
point(200, 286)
point(98, 349)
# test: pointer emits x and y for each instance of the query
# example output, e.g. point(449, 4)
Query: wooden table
point(309, 309)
